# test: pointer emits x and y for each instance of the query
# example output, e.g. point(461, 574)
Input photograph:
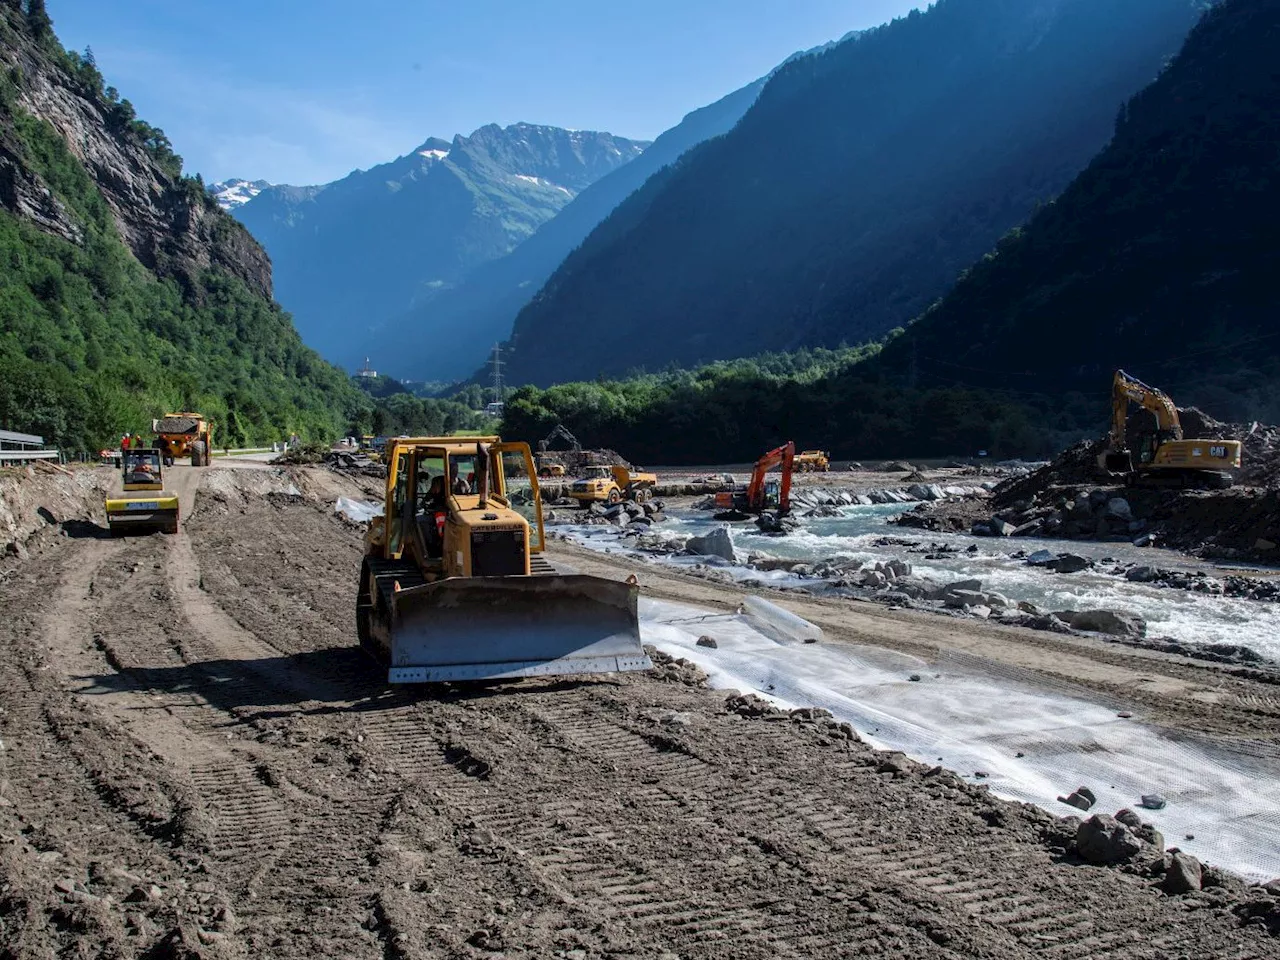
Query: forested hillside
point(854, 191)
point(125, 291)
point(353, 254)
point(1160, 258)
point(734, 410)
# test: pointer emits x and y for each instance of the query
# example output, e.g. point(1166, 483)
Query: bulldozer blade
point(488, 628)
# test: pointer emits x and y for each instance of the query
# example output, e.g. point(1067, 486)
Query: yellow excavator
point(453, 584)
point(1163, 457)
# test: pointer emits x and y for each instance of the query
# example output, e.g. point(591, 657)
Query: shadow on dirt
point(85, 530)
point(317, 682)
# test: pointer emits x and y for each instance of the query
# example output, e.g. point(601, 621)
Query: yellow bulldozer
point(144, 506)
point(454, 586)
point(1162, 456)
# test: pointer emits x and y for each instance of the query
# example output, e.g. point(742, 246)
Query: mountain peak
point(433, 148)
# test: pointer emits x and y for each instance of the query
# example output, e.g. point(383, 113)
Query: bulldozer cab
point(445, 493)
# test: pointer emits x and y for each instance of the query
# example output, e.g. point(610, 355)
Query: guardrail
point(17, 456)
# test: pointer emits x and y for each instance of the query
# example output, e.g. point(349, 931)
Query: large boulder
point(1110, 622)
point(717, 543)
point(1184, 875)
point(771, 523)
point(1142, 574)
point(1119, 508)
point(1105, 841)
point(1069, 563)
point(957, 599)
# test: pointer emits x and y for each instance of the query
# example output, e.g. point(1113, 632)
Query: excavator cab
point(772, 494)
point(453, 585)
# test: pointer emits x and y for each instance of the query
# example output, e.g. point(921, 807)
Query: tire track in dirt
point(319, 845)
point(152, 652)
point(998, 893)
point(78, 784)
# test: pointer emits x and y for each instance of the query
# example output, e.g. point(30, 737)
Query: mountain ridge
point(350, 253)
point(854, 190)
point(469, 318)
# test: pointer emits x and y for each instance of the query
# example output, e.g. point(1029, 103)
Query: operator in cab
point(436, 508)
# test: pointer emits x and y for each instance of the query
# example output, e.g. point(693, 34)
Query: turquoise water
point(1187, 617)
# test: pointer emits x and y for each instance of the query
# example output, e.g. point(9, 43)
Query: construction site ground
point(198, 762)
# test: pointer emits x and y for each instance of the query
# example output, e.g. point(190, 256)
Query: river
point(859, 532)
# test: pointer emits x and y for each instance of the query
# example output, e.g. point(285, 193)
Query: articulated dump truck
point(184, 435)
point(453, 584)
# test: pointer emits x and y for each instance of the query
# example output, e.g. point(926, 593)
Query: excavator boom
point(753, 500)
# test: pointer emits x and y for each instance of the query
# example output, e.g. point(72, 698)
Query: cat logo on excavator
point(454, 587)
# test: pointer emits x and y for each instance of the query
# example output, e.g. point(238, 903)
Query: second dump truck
point(184, 435)
point(613, 485)
point(453, 584)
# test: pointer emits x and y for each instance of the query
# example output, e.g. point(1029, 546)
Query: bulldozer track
point(250, 823)
point(998, 899)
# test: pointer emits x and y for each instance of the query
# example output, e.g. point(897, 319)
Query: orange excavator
point(763, 493)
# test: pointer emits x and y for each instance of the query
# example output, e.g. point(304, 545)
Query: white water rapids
point(1189, 617)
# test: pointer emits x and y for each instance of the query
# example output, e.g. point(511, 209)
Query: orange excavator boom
point(783, 456)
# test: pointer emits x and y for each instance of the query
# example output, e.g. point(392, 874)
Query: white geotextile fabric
point(359, 511)
point(970, 718)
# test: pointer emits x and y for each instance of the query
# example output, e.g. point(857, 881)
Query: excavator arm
point(561, 433)
point(1126, 390)
point(783, 456)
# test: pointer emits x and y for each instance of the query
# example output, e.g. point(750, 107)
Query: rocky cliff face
point(172, 229)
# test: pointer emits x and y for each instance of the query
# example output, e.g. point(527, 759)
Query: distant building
point(367, 371)
point(494, 409)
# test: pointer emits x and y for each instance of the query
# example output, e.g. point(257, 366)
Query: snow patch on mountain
point(235, 192)
point(540, 182)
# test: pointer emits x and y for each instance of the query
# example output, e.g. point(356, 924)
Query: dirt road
point(197, 763)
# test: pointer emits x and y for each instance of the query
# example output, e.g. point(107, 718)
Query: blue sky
point(304, 91)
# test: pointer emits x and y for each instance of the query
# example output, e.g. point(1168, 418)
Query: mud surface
point(197, 763)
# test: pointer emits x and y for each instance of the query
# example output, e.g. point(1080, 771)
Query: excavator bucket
point(484, 628)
